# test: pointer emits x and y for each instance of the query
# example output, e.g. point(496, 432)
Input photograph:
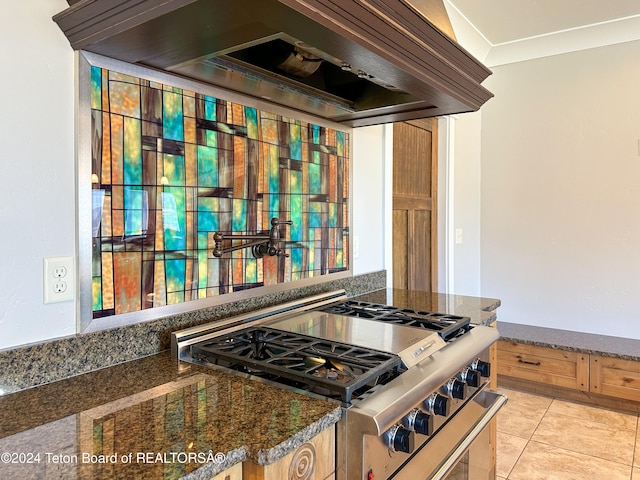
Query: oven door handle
point(477, 428)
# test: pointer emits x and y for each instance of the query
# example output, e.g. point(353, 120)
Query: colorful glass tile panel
point(172, 167)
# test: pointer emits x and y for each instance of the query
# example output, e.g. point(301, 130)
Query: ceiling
point(506, 31)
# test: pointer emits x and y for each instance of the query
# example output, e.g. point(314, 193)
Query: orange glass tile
point(270, 265)
point(237, 267)
point(127, 281)
point(189, 130)
point(159, 285)
point(117, 219)
point(191, 164)
point(106, 225)
point(124, 98)
point(188, 104)
point(238, 114)
point(269, 129)
point(345, 177)
point(333, 190)
point(189, 268)
point(105, 90)
point(108, 297)
point(106, 150)
point(239, 174)
point(117, 149)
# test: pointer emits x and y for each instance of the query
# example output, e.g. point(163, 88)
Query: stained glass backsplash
point(172, 167)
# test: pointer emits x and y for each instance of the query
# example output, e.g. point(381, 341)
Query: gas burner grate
point(446, 325)
point(336, 367)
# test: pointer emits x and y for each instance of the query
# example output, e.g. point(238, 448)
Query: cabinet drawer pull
point(537, 364)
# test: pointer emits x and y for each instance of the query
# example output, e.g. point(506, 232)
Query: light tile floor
point(542, 438)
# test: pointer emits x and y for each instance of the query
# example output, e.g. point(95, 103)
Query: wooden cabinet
point(545, 365)
point(615, 377)
point(233, 473)
point(606, 381)
point(313, 460)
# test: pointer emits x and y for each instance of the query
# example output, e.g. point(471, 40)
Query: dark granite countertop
point(153, 418)
point(603, 345)
point(480, 310)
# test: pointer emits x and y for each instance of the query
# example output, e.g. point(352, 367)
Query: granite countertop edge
point(593, 344)
point(212, 469)
point(272, 455)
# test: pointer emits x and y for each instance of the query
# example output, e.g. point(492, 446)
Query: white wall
point(459, 155)
point(37, 197)
point(369, 204)
point(561, 191)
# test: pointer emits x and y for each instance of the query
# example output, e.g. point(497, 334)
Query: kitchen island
point(156, 417)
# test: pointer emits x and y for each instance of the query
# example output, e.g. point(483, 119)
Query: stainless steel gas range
point(413, 384)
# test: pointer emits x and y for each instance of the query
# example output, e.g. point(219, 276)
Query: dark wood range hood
point(357, 62)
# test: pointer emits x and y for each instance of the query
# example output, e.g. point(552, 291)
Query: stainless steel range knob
point(454, 388)
point(483, 367)
point(418, 421)
point(399, 439)
point(437, 404)
point(470, 376)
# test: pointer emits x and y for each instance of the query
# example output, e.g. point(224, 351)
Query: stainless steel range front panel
point(412, 345)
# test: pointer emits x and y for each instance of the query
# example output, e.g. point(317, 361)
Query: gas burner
point(332, 366)
point(446, 325)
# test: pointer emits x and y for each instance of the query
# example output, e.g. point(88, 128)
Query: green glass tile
point(273, 163)
point(251, 115)
point(251, 270)
point(239, 215)
point(172, 117)
point(136, 211)
point(132, 151)
point(315, 181)
point(315, 215)
point(207, 166)
point(340, 143)
point(211, 138)
point(173, 218)
point(174, 169)
point(333, 214)
point(203, 263)
point(295, 205)
point(295, 142)
point(207, 221)
point(96, 88)
point(96, 289)
point(209, 108)
point(175, 272)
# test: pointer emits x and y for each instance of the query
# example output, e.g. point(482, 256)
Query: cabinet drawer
point(615, 377)
point(545, 365)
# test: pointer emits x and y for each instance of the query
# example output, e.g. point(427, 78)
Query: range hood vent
point(356, 62)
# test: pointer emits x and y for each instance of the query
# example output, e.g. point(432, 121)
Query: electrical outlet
point(58, 279)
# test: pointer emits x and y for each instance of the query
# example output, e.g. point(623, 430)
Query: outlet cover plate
point(59, 281)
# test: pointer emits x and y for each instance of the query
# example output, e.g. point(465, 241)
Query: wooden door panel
point(421, 274)
point(414, 177)
point(411, 161)
point(400, 240)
